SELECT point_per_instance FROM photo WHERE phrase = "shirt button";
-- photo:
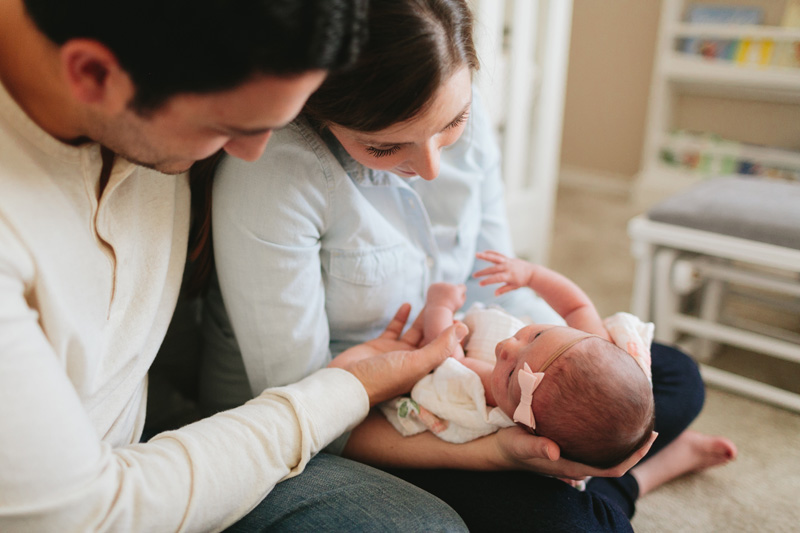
(429, 261)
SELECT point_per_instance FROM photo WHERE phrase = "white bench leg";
(710, 306)
(643, 279)
(665, 300)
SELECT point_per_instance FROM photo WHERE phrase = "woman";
(388, 182)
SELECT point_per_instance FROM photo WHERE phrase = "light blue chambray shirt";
(315, 252)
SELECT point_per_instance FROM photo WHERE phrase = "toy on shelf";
(727, 49)
(709, 155)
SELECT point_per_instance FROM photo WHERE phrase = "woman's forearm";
(376, 442)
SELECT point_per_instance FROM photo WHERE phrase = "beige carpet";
(760, 491)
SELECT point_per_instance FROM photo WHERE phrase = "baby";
(585, 386)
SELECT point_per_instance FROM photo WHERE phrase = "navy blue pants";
(521, 501)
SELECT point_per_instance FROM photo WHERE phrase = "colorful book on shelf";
(754, 51)
(729, 49)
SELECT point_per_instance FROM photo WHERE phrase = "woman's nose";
(426, 163)
(248, 148)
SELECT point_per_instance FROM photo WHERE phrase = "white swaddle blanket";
(488, 326)
(451, 402)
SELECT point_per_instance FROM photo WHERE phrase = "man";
(103, 107)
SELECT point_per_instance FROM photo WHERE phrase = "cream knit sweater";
(87, 289)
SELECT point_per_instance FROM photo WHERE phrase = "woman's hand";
(391, 364)
(523, 451)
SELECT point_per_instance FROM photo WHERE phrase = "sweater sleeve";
(59, 475)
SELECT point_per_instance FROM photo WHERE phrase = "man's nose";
(248, 148)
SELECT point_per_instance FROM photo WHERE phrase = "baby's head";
(593, 399)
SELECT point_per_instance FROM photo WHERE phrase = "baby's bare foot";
(690, 452)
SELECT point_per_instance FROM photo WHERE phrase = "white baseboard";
(596, 180)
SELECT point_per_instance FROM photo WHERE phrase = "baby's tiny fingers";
(491, 256)
(504, 289)
(487, 271)
(491, 280)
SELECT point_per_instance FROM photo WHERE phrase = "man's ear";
(94, 76)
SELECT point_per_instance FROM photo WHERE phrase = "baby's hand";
(448, 295)
(514, 273)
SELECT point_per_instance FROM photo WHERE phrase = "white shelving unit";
(677, 74)
(523, 47)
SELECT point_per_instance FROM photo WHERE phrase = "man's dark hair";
(199, 46)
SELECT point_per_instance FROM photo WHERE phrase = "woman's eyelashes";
(458, 121)
(382, 152)
(385, 152)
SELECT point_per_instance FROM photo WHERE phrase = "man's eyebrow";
(387, 145)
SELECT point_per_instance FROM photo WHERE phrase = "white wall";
(608, 82)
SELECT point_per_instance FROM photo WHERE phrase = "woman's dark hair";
(413, 47)
(170, 47)
(201, 246)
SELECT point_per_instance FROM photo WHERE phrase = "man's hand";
(391, 364)
(522, 451)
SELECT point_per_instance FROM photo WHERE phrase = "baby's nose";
(499, 352)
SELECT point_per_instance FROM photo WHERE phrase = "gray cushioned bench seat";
(755, 209)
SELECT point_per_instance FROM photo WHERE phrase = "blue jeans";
(336, 494)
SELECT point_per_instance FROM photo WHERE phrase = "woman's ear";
(94, 76)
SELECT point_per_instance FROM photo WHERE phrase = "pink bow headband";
(529, 381)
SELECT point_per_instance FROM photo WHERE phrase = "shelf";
(703, 75)
(740, 31)
(761, 154)
(678, 73)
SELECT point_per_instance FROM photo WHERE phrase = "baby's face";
(532, 344)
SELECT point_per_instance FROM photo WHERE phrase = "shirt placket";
(420, 227)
